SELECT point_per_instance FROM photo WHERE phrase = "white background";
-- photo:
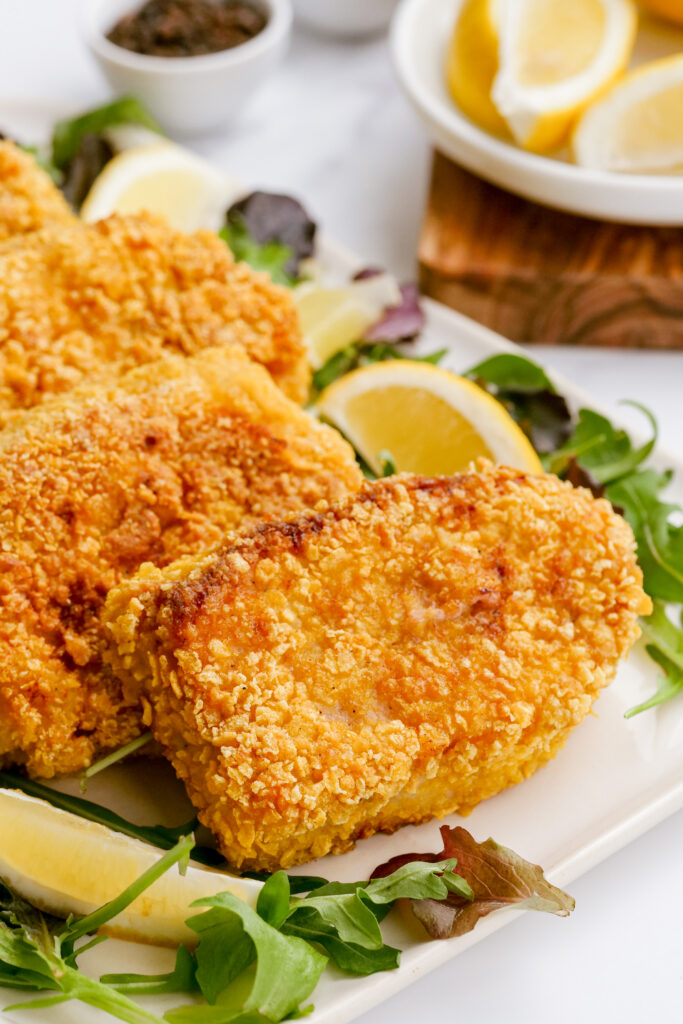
(333, 128)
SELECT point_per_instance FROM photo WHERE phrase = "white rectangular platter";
(614, 780)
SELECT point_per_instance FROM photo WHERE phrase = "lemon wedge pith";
(554, 60)
(429, 420)
(66, 865)
(636, 127)
(164, 179)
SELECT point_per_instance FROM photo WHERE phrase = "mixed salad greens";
(261, 965)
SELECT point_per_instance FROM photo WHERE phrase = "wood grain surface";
(540, 275)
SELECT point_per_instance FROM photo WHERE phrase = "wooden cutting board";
(536, 274)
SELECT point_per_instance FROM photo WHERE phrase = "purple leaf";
(269, 217)
(400, 323)
(499, 878)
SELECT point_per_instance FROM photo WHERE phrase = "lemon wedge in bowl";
(670, 10)
(472, 63)
(555, 59)
(637, 126)
(429, 420)
(164, 179)
(332, 318)
(65, 865)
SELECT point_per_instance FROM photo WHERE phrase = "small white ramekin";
(345, 18)
(188, 95)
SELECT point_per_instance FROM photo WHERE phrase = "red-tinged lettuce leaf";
(498, 877)
(401, 322)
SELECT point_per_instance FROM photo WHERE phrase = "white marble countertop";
(333, 128)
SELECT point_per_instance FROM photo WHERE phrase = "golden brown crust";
(405, 653)
(88, 300)
(28, 199)
(152, 466)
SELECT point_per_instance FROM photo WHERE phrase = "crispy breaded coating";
(28, 198)
(153, 466)
(80, 302)
(405, 653)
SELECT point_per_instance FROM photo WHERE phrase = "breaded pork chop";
(88, 300)
(404, 653)
(153, 466)
(28, 199)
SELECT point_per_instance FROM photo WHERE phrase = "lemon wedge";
(332, 318)
(637, 127)
(555, 59)
(472, 64)
(165, 179)
(671, 10)
(429, 420)
(66, 865)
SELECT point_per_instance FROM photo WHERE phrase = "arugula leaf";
(273, 900)
(496, 877)
(605, 452)
(669, 685)
(297, 883)
(78, 927)
(215, 1015)
(68, 133)
(225, 950)
(666, 648)
(660, 544)
(180, 979)
(156, 835)
(510, 372)
(597, 455)
(663, 635)
(287, 967)
(270, 257)
(348, 957)
(43, 951)
(350, 918)
(113, 758)
(528, 394)
(363, 353)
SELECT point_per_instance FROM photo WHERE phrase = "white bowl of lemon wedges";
(576, 106)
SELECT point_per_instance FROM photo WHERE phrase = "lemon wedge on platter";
(637, 127)
(164, 179)
(332, 318)
(65, 865)
(555, 59)
(429, 420)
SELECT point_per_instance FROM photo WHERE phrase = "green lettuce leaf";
(270, 257)
(68, 133)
